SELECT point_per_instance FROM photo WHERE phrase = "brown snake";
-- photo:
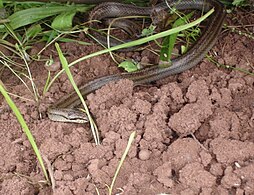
(65, 110)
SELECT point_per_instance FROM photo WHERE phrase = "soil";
(194, 131)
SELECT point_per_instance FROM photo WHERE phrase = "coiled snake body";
(64, 110)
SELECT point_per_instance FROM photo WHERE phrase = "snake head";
(68, 115)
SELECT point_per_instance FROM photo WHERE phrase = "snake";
(66, 109)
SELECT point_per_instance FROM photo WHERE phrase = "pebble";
(144, 154)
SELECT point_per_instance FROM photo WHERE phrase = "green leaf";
(183, 48)
(32, 15)
(129, 66)
(33, 31)
(148, 31)
(63, 21)
(169, 42)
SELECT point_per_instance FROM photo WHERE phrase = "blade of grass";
(97, 191)
(12, 70)
(46, 84)
(131, 138)
(35, 90)
(9, 46)
(68, 72)
(7, 59)
(95, 131)
(68, 40)
(63, 21)
(211, 59)
(25, 128)
(136, 42)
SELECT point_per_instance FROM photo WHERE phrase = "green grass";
(19, 48)
(111, 187)
(169, 42)
(131, 139)
(211, 59)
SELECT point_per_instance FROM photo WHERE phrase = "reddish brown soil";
(195, 130)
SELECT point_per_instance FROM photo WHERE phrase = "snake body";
(64, 110)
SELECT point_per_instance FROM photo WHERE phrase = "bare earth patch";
(195, 130)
